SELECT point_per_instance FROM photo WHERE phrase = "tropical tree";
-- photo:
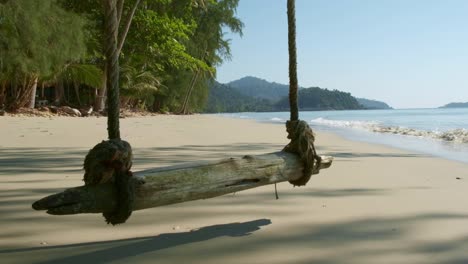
(156, 42)
(75, 74)
(36, 39)
(138, 87)
(209, 44)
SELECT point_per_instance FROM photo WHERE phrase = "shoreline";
(433, 145)
(375, 204)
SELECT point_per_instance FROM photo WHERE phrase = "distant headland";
(252, 94)
(455, 105)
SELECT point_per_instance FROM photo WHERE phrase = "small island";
(455, 105)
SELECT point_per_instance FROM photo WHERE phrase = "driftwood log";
(176, 184)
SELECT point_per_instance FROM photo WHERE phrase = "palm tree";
(74, 73)
(209, 43)
(138, 85)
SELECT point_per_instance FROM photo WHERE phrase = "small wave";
(456, 135)
(344, 123)
(276, 119)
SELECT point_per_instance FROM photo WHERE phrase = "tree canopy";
(37, 39)
(170, 54)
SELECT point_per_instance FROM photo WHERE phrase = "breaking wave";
(456, 135)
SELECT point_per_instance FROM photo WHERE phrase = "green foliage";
(156, 41)
(38, 37)
(315, 98)
(225, 99)
(170, 54)
(138, 87)
(259, 88)
(239, 96)
(372, 104)
(86, 74)
(209, 45)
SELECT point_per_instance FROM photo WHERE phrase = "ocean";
(441, 132)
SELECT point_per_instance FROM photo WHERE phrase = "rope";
(302, 143)
(301, 135)
(112, 60)
(292, 60)
(121, 160)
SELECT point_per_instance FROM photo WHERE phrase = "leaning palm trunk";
(184, 108)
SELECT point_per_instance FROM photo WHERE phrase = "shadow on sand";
(120, 249)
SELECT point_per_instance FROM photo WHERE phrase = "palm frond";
(87, 74)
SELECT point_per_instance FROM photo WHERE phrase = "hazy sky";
(408, 53)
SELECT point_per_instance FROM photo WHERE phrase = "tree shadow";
(121, 249)
(352, 238)
(54, 161)
(70, 160)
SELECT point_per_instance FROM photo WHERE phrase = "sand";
(375, 204)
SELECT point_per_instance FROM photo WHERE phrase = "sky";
(407, 53)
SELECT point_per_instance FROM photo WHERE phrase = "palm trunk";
(42, 91)
(190, 92)
(100, 98)
(2, 94)
(184, 108)
(76, 87)
(59, 92)
(33, 89)
(128, 23)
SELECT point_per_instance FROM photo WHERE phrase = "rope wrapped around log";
(302, 143)
(111, 161)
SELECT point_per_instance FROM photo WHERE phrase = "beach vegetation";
(37, 39)
(169, 56)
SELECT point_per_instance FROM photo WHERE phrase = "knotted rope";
(302, 143)
(111, 161)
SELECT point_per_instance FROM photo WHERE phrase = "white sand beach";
(374, 205)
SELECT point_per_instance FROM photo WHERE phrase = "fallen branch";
(170, 185)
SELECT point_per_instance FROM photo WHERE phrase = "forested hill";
(251, 94)
(224, 98)
(455, 105)
(259, 88)
(373, 104)
(315, 98)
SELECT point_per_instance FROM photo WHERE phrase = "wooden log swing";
(113, 190)
(177, 184)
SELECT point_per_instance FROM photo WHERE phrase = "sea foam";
(456, 135)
